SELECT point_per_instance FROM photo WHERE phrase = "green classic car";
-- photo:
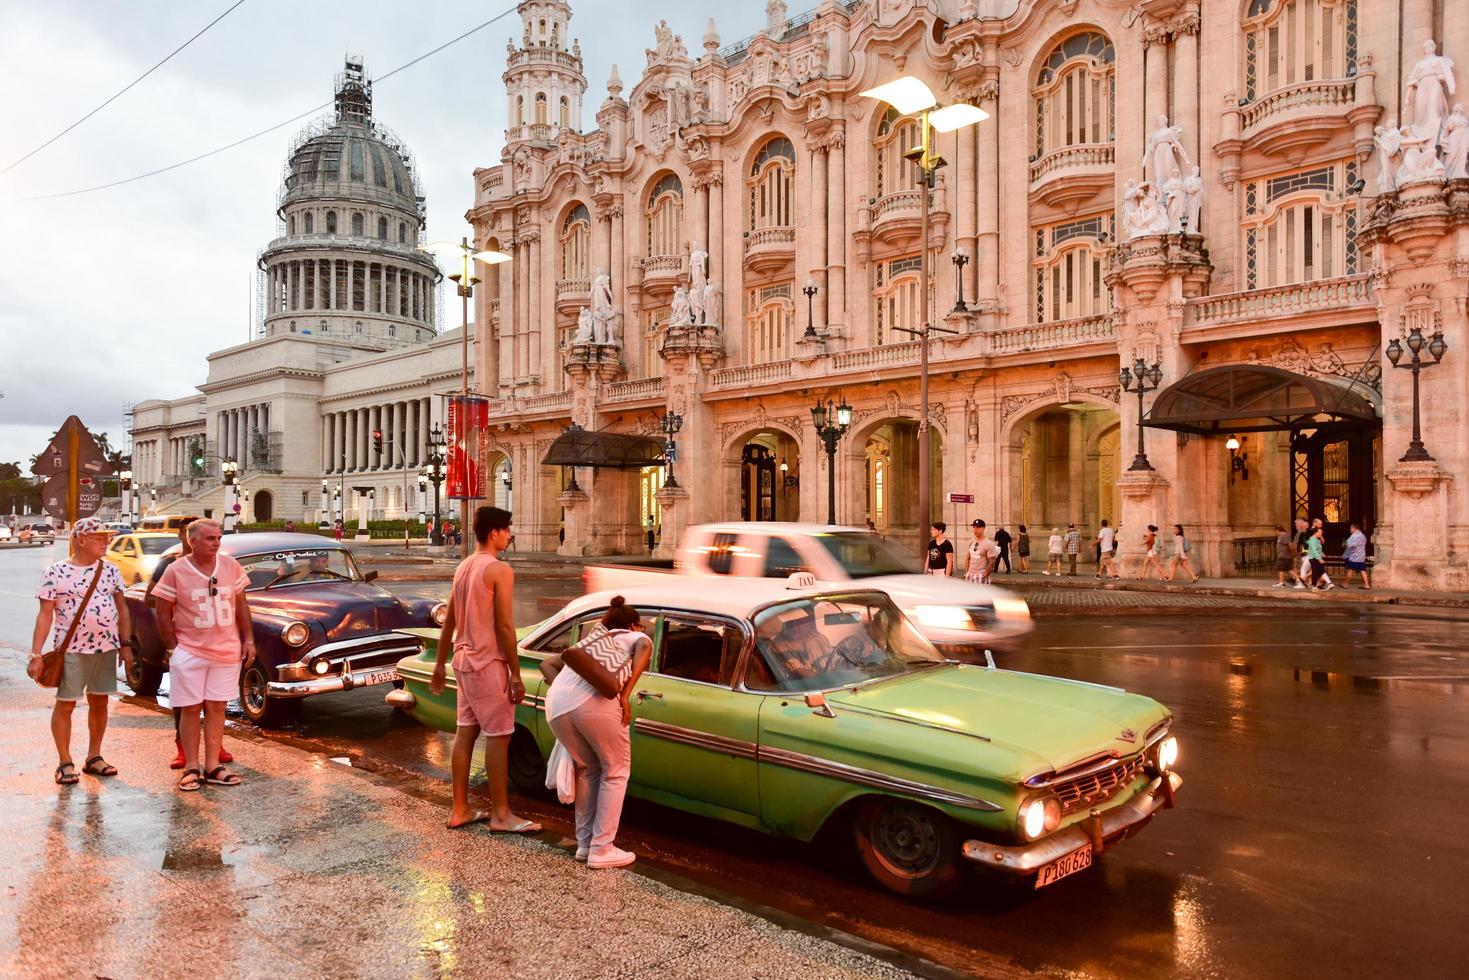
(787, 708)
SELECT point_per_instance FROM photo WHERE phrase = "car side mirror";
(816, 701)
(369, 576)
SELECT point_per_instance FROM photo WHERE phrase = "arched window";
(665, 216)
(291, 225)
(402, 233)
(772, 185)
(310, 223)
(1075, 94)
(382, 228)
(331, 222)
(576, 237)
(899, 300)
(1068, 274)
(541, 119)
(564, 118)
(357, 226)
(768, 323)
(1300, 226)
(520, 110)
(655, 320)
(1290, 42)
(895, 135)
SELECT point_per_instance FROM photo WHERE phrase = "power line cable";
(268, 129)
(120, 93)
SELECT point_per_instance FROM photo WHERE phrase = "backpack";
(1186, 546)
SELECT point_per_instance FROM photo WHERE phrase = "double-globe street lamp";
(125, 490)
(671, 424)
(1142, 379)
(1437, 347)
(831, 424)
(910, 96)
(434, 472)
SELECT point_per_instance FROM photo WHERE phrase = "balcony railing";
(631, 391)
(1279, 301)
(660, 265)
(900, 202)
(1332, 93)
(750, 375)
(1079, 155)
(779, 235)
(884, 355)
(1051, 336)
(543, 403)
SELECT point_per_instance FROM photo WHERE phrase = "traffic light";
(377, 440)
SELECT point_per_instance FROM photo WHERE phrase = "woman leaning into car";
(594, 731)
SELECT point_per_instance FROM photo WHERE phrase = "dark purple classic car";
(320, 624)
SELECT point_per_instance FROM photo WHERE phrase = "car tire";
(142, 677)
(258, 706)
(527, 767)
(911, 849)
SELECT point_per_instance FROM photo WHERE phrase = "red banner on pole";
(468, 431)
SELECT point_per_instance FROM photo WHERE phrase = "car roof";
(256, 542)
(171, 535)
(736, 597)
(777, 527)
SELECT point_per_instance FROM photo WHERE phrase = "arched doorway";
(502, 483)
(1068, 467)
(767, 477)
(264, 505)
(888, 455)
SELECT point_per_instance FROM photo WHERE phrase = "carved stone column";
(836, 229)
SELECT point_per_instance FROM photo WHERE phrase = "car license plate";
(1061, 867)
(381, 676)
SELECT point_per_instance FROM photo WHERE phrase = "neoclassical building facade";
(1266, 286)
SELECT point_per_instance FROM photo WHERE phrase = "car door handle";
(642, 695)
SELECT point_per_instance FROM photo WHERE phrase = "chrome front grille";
(1097, 787)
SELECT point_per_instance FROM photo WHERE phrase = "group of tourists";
(203, 620)
(1300, 556)
(987, 552)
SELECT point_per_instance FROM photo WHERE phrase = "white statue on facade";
(663, 45)
(1389, 142)
(1175, 204)
(681, 314)
(1143, 211)
(1456, 144)
(698, 267)
(676, 94)
(696, 305)
(710, 305)
(1420, 158)
(1165, 157)
(1429, 86)
(1193, 190)
(602, 311)
(775, 19)
(583, 333)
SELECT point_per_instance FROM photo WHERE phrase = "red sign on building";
(468, 433)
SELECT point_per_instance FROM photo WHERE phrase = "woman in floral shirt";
(91, 658)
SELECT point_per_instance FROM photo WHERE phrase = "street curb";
(1337, 596)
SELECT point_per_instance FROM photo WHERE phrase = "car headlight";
(439, 613)
(296, 634)
(943, 617)
(1038, 816)
(1168, 753)
(1011, 607)
(321, 666)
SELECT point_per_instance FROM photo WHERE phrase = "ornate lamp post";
(960, 259)
(810, 290)
(910, 97)
(125, 488)
(228, 470)
(326, 505)
(831, 424)
(1436, 347)
(422, 497)
(672, 422)
(509, 482)
(1146, 379)
(435, 472)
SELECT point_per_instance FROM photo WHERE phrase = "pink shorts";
(484, 700)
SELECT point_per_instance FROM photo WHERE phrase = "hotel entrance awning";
(608, 450)
(1255, 398)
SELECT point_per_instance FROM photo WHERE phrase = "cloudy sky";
(114, 297)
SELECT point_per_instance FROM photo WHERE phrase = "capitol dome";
(347, 264)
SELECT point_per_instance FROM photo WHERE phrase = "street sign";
(961, 498)
(53, 498)
(56, 457)
(69, 463)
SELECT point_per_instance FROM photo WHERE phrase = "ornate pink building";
(758, 225)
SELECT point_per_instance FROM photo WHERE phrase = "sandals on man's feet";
(66, 774)
(98, 766)
(220, 776)
(189, 781)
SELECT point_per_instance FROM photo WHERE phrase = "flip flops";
(220, 776)
(65, 777)
(478, 816)
(522, 827)
(189, 781)
(98, 766)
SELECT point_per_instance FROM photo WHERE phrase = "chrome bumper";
(1096, 830)
(328, 683)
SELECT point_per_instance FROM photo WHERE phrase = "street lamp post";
(326, 506)
(1437, 347)
(910, 96)
(465, 280)
(434, 472)
(831, 424)
(422, 495)
(810, 290)
(228, 469)
(960, 259)
(125, 490)
(672, 422)
(1145, 379)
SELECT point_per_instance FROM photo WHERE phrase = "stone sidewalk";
(313, 869)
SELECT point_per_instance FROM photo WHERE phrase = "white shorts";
(193, 680)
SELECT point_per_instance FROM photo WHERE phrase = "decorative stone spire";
(614, 84)
(711, 38)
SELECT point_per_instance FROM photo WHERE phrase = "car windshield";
(156, 546)
(274, 569)
(863, 554)
(823, 642)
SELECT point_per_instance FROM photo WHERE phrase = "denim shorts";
(1355, 566)
(96, 673)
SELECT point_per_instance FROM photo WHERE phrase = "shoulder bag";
(600, 661)
(48, 669)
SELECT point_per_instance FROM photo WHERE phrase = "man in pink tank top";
(481, 632)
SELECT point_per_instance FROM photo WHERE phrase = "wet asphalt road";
(1320, 829)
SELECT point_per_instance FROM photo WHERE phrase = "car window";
(812, 644)
(274, 569)
(863, 554)
(721, 552)
(128, 550)
(560, 639)
(699, 649)
(781, 560)
(156, 546)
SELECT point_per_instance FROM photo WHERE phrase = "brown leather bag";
(48, 669)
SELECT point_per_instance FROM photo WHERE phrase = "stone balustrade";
(1078, 155)
(750, 374)
(662, 264)
(555, 401)
(1331, 93)
(1051, 336)
(631, 391)
(782, 235)
(573, 288)
(1279, 301)
(883, 355)
(897, 202)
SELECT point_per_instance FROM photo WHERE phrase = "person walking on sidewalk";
(1003, 541)
(1285, 555)
(479, 628)
(939, 560)
(1106, 541)
(1302, 571)
(594, 730)
(151, 603)
(1073, 547)
(984, 554)
(1055, 546)
(1150, 556)
(204, 622)
(1316, 555)
(1181, 549)
(1022, 548)
(83, 613)
(1354, 556)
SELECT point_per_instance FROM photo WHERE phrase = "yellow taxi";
(136, 554)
